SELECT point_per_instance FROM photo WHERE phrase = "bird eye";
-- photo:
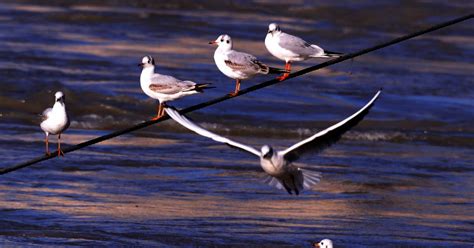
(222, 40)
(228, 41)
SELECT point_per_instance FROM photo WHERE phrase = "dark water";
(403, 177)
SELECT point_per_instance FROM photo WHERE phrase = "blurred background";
(403, 177)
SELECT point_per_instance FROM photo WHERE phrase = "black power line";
(242, 92)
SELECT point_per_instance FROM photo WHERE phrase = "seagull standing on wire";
(238, 65)
(282, 173)
(290, 48)
(55, 121)
(165, 88)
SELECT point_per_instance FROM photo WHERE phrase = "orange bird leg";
(47, 145)
(159, 113)
(286, 74)
(60, 152)
(237, 88)
(163, 106)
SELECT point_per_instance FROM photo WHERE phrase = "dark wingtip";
(333, 54)
(273, 70)
(171, 107)
(201, 87)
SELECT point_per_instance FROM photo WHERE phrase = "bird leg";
(288, 189)
(60, 152)
(47, 145)
(160, 112)
(163, 106)
(237, 88)
(286, 74)
(294, 184)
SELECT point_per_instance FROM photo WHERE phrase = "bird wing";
(242, 61)
(169, 85)
(201, 131)
(328, 136)
(45, 114)
(297, 45)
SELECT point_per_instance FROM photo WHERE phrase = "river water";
(402, 178)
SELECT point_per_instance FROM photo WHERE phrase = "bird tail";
(329, 54)
(310, 178)
(201, 87)
(301, 179)
(272, 181)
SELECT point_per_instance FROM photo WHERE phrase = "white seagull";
(325, 243)
(290, 48)
(282, 173)
(163, 87)
(238, 65)
(55, 121)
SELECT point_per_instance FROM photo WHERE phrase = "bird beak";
(213, 42)
(316, 245)
(141, 64)
(267, 156)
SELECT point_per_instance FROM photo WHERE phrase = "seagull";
(163, 87)
(278, 165)
(55, 121)
(291, 48)
(325, 243)
(238, 65)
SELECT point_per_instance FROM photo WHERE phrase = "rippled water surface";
(403, 177)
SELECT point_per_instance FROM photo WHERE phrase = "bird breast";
(275, 166)
(271, 43)
(57, 120)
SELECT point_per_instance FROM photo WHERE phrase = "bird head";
(267, 152)
(147, 61)
(273, 28)
(325, 243)
(59, 97)
(223, 41)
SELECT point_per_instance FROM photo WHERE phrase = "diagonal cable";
(242, 92)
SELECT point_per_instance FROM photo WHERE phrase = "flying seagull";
(279, 164)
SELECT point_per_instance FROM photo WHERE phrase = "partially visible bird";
(290, 48)
(238, 65)
(278, 165)
(55, 121)
(165, 88)
(325, 243)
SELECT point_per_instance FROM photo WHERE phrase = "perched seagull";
(282, 173)
(238, 65)
(55, 121)
(165, 88)
(325, 243)
(291, 48)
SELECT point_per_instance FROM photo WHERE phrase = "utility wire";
(242, 92)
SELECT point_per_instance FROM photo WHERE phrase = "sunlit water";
(403, 177)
